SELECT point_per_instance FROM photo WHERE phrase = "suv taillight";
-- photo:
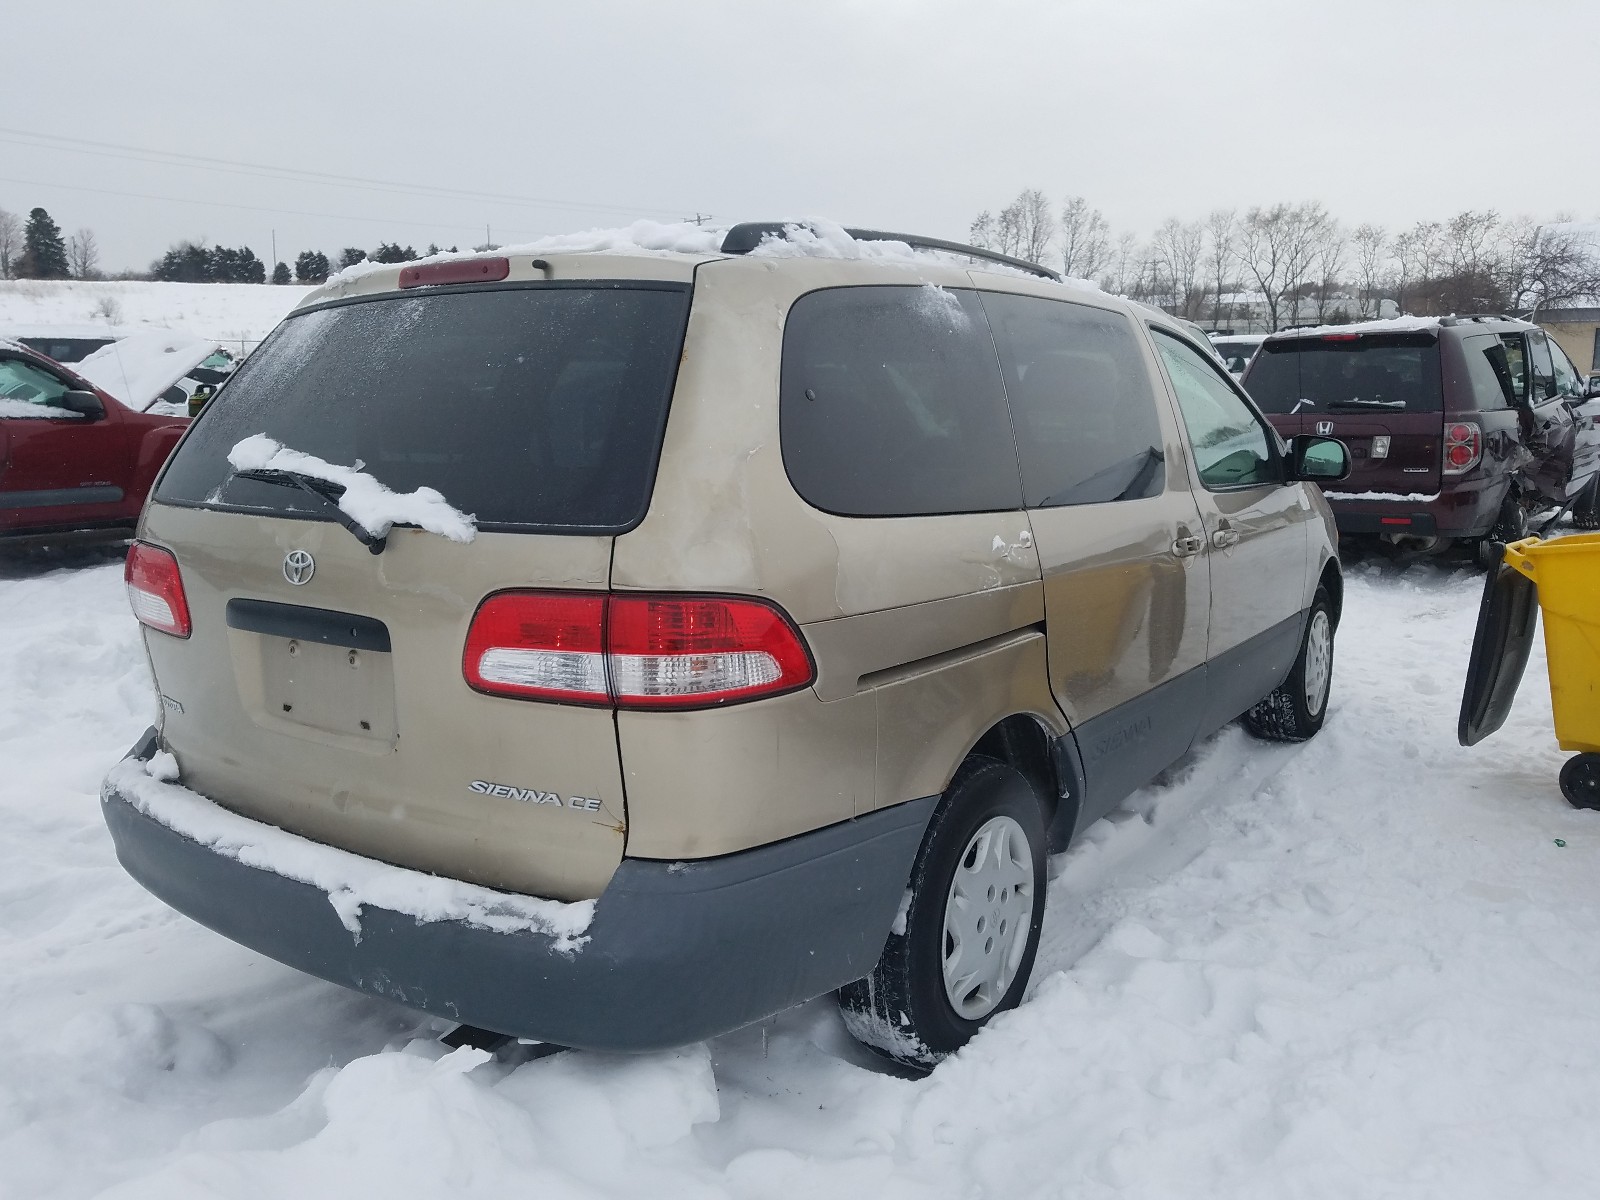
(633, 651)
(1463, 447)
(155, 589)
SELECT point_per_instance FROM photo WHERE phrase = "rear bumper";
(1461, 509)
(676, 952)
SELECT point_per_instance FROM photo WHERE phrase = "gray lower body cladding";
(676, 952)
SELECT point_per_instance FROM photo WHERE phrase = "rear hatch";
(1379, 393)
(322, 688)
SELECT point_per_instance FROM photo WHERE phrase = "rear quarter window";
(1082, 401)
(891, 404)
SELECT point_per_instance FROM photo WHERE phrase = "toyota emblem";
(299, 567)
(1323, 427)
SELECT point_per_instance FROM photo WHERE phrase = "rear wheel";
(1295, 711)
(963, 947)
(1580, 781)
(1586, 510)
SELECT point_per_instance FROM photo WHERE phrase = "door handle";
(1222, 539)
(1187, 547)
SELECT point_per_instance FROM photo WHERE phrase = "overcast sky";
(889, 113)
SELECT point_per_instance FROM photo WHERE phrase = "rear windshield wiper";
(1357, 402)
(327, 493)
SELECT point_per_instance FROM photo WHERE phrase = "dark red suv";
(1459, 428)
(74, 462)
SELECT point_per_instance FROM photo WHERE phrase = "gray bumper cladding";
(676, 952)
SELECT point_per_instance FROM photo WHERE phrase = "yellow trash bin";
(1567, 573)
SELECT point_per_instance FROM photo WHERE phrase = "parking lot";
(1278, 972)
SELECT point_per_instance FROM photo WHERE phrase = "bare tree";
(983, 232)
(10, 242)
(1552, 265)
(1126, 267)
(1417, 252)
(1369, 242)
(1025, 228)
(1175, 254)
(1277, 246)
(1219, 256)
(83, 255)
(1331, 246)
(1085, 240)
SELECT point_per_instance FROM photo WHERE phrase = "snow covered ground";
(238, 315)
(1362, 967)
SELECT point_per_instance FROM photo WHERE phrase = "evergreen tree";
(390, 252)
(350, 256)
(311, 267)
(187, 262)
(44, 251)
(280, 274)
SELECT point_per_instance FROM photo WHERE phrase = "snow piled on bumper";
(350, 880)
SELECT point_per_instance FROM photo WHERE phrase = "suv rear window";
(1348, 373)
(534, 407)
(891, 404)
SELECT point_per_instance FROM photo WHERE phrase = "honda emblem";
(1324, 428)
(299, 567)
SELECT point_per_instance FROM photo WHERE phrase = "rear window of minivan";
(534, 407)
(1350, 373)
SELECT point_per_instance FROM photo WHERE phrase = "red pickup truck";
(75, 463)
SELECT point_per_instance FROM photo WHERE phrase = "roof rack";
(746, 236)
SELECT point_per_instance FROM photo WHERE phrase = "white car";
(1237, 349)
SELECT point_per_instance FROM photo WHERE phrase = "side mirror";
(84, 403)
(1592, 388)
(1318, 459)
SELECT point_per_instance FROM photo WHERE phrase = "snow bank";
(351, 881)
(369, 503)
(1361, 967)
(238, 315)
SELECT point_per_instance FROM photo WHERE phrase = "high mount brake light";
(461, 270)
(1340, 337)
(1463, 447)
(155, 589)
(633, 651)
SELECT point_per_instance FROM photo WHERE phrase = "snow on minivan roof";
(810, 238)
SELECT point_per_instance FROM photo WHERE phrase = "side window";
(30, 391)
(891, 404)
(1230, 446)
(1567, 381)
(1488, 373)
(1517, 364)
(1544, 370)
(1082, 402)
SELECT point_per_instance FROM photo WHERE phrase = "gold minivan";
(801, 593)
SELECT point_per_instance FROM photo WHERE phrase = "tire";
(1296, 710)
(1586, 510)
(981, 872)
(1580, 781)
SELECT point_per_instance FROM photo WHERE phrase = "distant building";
(1577, 330)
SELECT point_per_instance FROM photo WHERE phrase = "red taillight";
(679, 651)
(1463, 447)
(460, 270)
(633, 651)
(541, 646)
(1340, 337)
(155, 589)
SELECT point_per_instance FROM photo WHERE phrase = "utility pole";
(699, 217)
(274, 248)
